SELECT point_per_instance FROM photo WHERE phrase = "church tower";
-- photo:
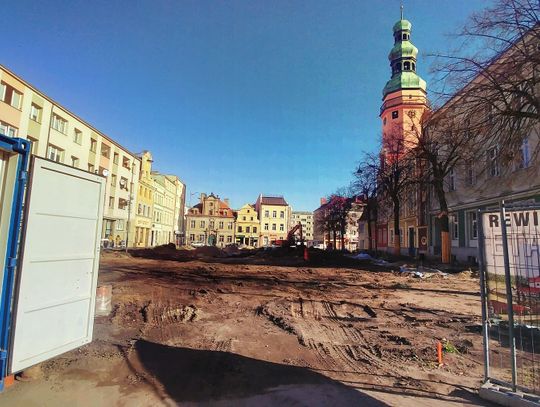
(404, 96)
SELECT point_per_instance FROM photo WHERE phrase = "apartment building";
(60, 135)
(485, 179)
(179, 209)
(210, 222)
(145, 203)
(274, 214)
(247, 226)
(306, 219)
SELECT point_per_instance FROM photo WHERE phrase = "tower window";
(406, 66)
(395, 114)
(404, 37)
(413, 66)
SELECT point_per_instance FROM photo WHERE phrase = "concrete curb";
(505, 397)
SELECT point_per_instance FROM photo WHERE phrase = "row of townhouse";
(59, 135)
(212, 222)
(477, 183)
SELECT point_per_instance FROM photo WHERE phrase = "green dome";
(402, 25)
(404, 80)
(403, 49)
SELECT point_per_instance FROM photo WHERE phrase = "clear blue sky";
(235, 97)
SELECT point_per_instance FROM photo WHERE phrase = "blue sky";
(235, 97)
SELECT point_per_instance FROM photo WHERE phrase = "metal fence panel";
(510, 267)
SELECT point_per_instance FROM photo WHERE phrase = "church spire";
(403, 60)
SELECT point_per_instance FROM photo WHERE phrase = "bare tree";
(365, 185)
(494, 73)
(394, 167)
(441, 141)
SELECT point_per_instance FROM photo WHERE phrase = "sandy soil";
(254, 331)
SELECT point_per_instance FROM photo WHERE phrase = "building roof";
(273, 200)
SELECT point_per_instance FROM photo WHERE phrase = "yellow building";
(145, 203)
(60, 135)
(274, 214)
(247, 226)
(210, 222)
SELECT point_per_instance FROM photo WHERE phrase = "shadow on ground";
(223, 378)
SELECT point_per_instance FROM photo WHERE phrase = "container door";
(57, 278)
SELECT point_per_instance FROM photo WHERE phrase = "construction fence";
(509, 254)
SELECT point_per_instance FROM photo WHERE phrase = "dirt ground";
(255, 331)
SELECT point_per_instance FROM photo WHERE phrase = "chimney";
(226, 200)
(323, 201)
(203, 196)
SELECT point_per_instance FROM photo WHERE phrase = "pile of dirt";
(208, 251)
(164, 252)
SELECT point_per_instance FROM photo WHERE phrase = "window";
(8, 130)
(454, 227)
(273, 226)
(282, 227)
(266, 226)
(202, 224)
(105, 150)
(115, 158)
(111, 202)
(395, 114)
(470, 173)
(125, 162)
(266, 214)
(243, 218)
(77, 136)
(239, 229)
(221, 225)
(211, 224)
(282, 214)
(113, 180)
(122, 203)
(124, 183)
(248, 229)
(230, 226)
(201, 238)
(93, 145)
(524, 157)
(473, 225)
(229, 239)
(191, 238)
(221, 238)
(10, 95)
(34, 144)
(406, 66)
(452, 180)
(58, 123)
(493, 162)
(55, 154)
(74, 161)
(274, 214)
(120, 224)
(35, 113)
(192, 224)
(254, 229)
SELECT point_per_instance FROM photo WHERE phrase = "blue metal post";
(22, 148)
